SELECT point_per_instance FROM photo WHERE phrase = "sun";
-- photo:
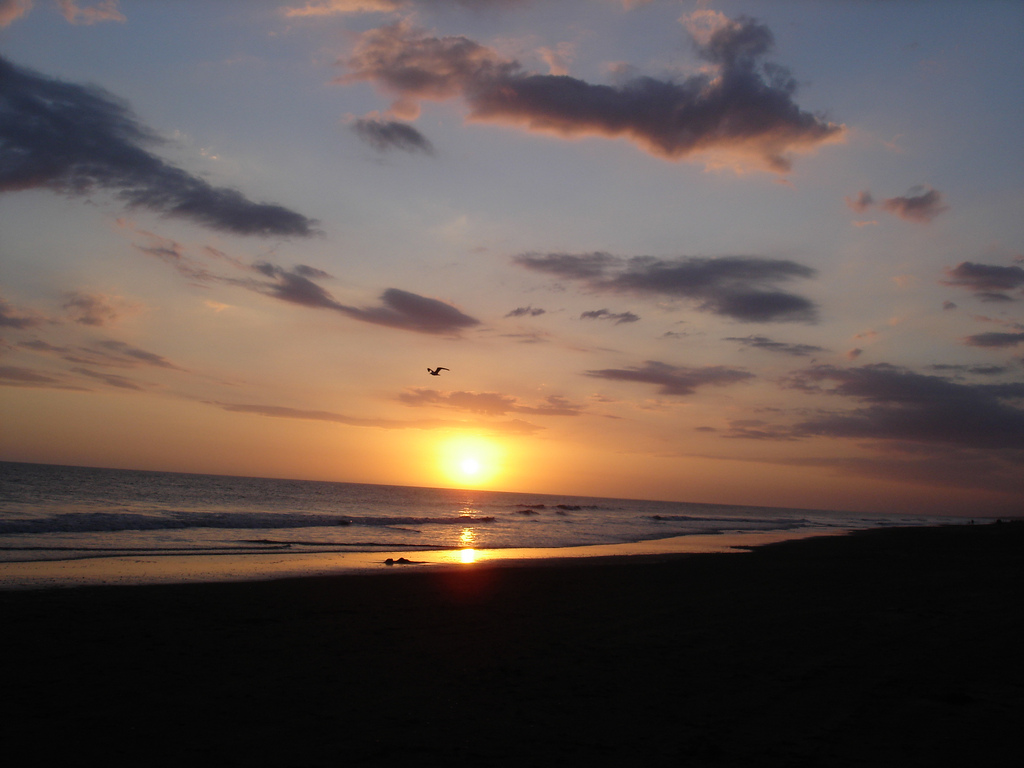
(469, 461)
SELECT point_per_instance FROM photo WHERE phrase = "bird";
(436, 371)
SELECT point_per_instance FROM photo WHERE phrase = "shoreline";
(151, 569)
(884, 647)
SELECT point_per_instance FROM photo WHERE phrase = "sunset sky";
(739, 252)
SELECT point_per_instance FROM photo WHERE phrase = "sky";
(736, 252)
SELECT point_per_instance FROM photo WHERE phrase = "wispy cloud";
(674, 380)
(385, 135)
(397, 308)
(604, 314)
(744, 111)
(97, 309)
(529, 311)
(739, 287)
(920, 204)
(514, 426)
(762, 342)
(104, 10)
(76, 139)
(487, 403)
(13, 317)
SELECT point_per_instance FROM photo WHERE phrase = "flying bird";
(436, 371)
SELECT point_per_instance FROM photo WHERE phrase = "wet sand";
(887, 647)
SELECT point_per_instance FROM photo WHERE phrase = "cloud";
(15, 376)
(513, 426)
(97, 309)
(120, 351)
(12, 317)
(743, 113)
(907, 406)
(980, 370)
(673, 380)
(919, 204)
(105, 10)
(995, 339)
(318, 8)
(110, 379)
(11, 10)
(398, 309)
(988, 281)
(411, 312)
(487, 403)
(384, 135)
(739, 287)
(604, 314)
(762, 342)
(526, 312)
(75, 139)
(861, 203)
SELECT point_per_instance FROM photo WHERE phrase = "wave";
(109, 522)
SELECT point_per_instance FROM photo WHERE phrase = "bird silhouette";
(436, 371)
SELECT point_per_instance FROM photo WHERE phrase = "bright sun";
(469, 460)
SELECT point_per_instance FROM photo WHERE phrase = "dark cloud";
(988, 281)
(75, 139)
(398, 309)
(995, 339)
(11, 317)
(411, 312)
(525, 312)
(762, 342)
(603, 314)
(384, 135)
(740, 287)
(744, 109)
(919, 204)
(294, 287)
(673, 380)
(488, 403)
(907, 406)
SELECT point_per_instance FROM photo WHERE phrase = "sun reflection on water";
(468, 555)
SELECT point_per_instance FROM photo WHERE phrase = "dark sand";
(899, 647)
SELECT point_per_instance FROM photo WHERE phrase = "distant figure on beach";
(436, 371)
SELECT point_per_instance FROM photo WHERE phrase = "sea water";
(50, 513)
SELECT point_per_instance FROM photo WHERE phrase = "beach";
(883, 647)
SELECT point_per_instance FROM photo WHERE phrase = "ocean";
(60, 513)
